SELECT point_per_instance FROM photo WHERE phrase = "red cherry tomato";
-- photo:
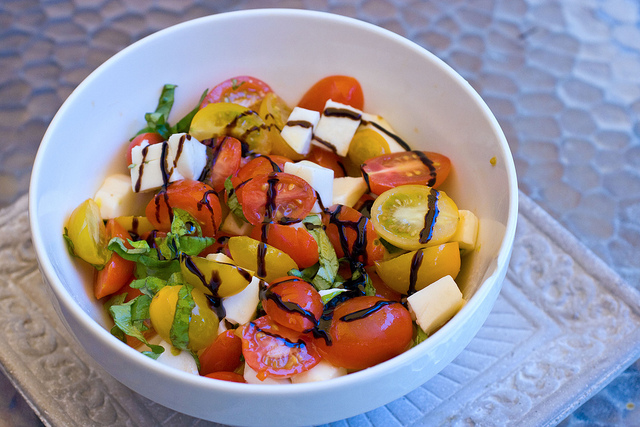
(275, 351)
(226, 376)
(259, 166)
(195, 197)
(294, 303)
(412, 167)
(342, 89)
(224, 161)
(276, 197)
(150, 137)
(244, 90)
(327, 159)
(352, 235)
(295, 241)
(118, 271)
(365, 331)
(382, 290)
(223, 354)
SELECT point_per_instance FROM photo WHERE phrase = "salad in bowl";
(277, 244)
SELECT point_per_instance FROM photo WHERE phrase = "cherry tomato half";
(118, 271)
(366, 331)
(275, 351)
(260, 165)
(276, 197)
(223, 354)
(223, 161)
(226, 376)
(243, 90)
(294, 303)
(194, 197)
(150, 137)
(391, 170)
(342, 89)
(352, 235)
(327, 159)
(293, 240)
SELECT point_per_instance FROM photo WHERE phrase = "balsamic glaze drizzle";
(430, 218)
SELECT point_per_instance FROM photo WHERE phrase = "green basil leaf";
(129, 318)
(180, 327)
(232, 200)
(184, 123)
(327, 258)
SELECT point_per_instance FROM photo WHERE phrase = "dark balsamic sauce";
(300, 123)
(392, 135)
(270, 293)
(429, 164)
(430, 218)
(361, 314)
(416, 261)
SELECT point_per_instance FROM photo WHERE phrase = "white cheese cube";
(347, 190)
(235, 226)
(318, 177)
(435, 304)
(250, 376)
(299, 129)
(337, 126)
(188, 155)
(182, 360)
(321, 372)
(182, 156)
(241, 307)
(380, 125)
(116, 198)
(467, 231)
(220, 257)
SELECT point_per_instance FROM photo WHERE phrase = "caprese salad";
(259, 243)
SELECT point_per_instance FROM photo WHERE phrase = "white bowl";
(428, 104)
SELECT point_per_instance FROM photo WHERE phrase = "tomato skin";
(292, 240)
(260, 165)
(224, 161)
(275, 351)
(382, 290)
(293, 198)
(118, 271)
(294, 303)
(243, 90)
(343, 226)
(223, 354)
(226, 376)
(370, 339)
(342, 89)
(151, 137)
(192, 196)
(391, 170)
(327, 159)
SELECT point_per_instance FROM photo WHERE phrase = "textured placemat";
(563, 327)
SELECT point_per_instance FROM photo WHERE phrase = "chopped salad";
(255, 242)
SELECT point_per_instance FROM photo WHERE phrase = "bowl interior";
(429, 105)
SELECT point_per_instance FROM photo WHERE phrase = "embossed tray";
(563, 327)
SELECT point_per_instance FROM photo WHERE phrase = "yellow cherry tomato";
(414, 216)
(424, 266)
(225, 118)
(135, 225)
(275, 112)
(87, 233)
(366, 144)
(203, 322)
(266, 261)
(211, 276)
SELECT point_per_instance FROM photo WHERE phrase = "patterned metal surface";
(563, 79)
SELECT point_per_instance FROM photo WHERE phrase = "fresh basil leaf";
(149, 285)
(232, 200)
(158, 121)
(418, 334)
(69, 242)
(129, 318)
(180, 327)
(327, 258)
(391, 248)
(334, 292)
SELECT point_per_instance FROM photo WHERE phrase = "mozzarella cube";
(347, 190)
(337, 126)
(241, 307)
(182, 156)
(250, 376)
(188, 155)
(321, 372)
(467, 231)
(299, 129)
(220, 257)
(318, 177)
(380, 125)
(116, 198)
(435, 304)
(183, 360)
